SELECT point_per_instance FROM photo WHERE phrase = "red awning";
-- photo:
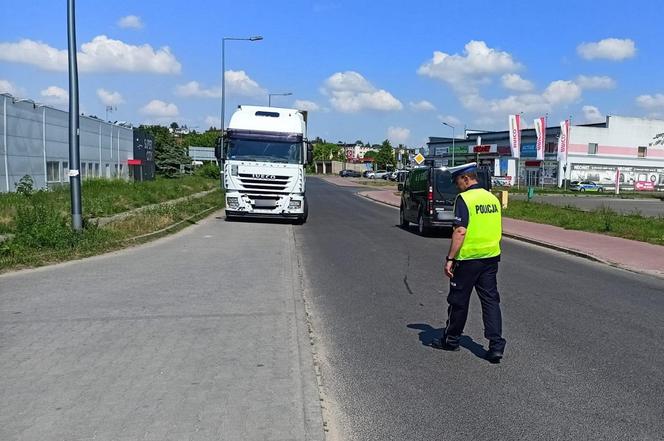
(133, 162)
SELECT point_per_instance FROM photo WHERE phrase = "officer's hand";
(448, 269)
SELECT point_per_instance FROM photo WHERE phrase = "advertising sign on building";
(629, 178)
(485, 148)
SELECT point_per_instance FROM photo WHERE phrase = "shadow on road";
(256, 220)
(440, 233)
(428, 333)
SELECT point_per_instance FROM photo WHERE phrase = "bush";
(208, 170)
(41, 225)
(25, 186)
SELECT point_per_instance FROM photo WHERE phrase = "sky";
(365, 70)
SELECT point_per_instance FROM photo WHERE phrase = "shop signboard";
(630, 178)
(485, 148)
(529, 150)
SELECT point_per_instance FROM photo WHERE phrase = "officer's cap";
(462, 169)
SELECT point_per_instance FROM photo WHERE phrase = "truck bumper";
(289, 206)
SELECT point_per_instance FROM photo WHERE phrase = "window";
(551, 147)
(97, 170)
(108, 171)
(643, 152)
(83, 167)
(91, 170)
(121, 169)
(52, 171)
(116, 170)
(65, 171)
(592, 148)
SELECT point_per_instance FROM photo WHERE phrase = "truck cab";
(265, 151)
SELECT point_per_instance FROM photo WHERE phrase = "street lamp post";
(452, 127)
(270, 95)
(223, 87)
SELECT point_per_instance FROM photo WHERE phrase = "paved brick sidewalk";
(628, 254)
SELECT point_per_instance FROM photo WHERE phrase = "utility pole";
(74, 151)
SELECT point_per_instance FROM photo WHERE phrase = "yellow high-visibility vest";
(484, 225)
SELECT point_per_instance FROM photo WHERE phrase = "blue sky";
(366, 70)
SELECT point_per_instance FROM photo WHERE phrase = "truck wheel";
(403, 223)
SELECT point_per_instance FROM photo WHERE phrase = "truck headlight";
(292, 205)
(232, 202)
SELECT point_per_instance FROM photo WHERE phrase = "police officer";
(472, 262)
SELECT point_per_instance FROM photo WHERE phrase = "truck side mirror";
(400, 187)
(310, 153)
(217, 149)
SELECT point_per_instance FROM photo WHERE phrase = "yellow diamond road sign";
(419, 158)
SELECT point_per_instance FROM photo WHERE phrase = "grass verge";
(602, 220)
(104, 197)
(606, 194)
(43, 236)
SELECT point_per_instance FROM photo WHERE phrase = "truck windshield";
(264, 150)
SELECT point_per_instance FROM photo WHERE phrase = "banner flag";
(563, 141)
(540, 129)
(515, 135)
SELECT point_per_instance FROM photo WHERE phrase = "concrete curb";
(548, 245)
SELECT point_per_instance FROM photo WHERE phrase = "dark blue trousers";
(480, 275)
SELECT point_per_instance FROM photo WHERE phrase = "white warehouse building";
(34, 141)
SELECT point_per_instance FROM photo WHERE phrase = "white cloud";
(613, 49)
(422, 106)
(10, 88)
(212, 121)
(160, 109)
(351, 92)
(450, 119)
(476, 66)
(130, 21)
(55, 95)
(102, 54)
(306, 105)
(109, 98)
(397, 135)
(194, 89)
(595, 82)
(514, 82)
(655, 101)
(561, 92)
(239, 83)
(592, 114)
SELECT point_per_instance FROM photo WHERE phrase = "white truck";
(264, 154)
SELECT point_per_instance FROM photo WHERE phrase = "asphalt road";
(645, 207)
(585, 342)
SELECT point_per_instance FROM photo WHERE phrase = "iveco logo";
(264, 176)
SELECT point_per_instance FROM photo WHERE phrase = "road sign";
(419, 158)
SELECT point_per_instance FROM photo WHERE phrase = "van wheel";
(420, 225)
(403, 223)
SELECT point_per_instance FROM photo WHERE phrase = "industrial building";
(630, 149)
(34, 141)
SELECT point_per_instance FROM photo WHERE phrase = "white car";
(378, 174)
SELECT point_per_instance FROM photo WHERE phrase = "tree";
(169, 157)
(385, 157)
(205, 139)
(359, 142)
(174, 125)
(328, 152)
(370, 154)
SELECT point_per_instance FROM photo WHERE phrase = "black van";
(428, 195)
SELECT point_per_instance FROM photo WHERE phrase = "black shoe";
(439, 343)
(494, 356)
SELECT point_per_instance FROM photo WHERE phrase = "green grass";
(43, 235)
(603, 220)
(104, 197)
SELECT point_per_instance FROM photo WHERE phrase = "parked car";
(428, 195)
(366, 173)
(585, 186)
(500, 181)
(350, 173)
(396, 174)
(378, 174)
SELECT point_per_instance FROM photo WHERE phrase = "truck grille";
(272, 183)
